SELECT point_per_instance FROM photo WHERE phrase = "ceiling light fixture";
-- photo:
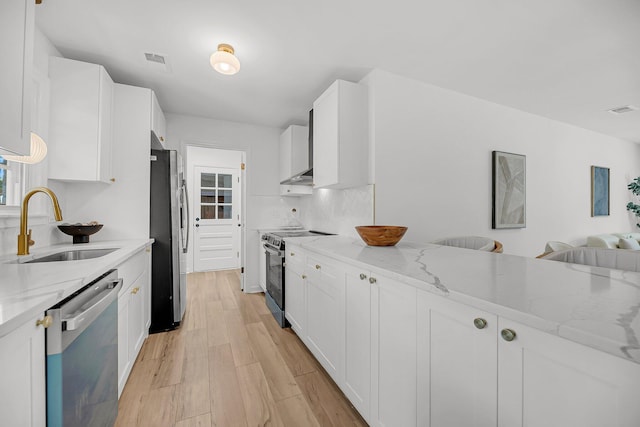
(37, 152)
(224, 61)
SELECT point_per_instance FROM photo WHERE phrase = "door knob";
(508, 334)
(372, 280)
(45, 322)
(363, 276)
(479, 323)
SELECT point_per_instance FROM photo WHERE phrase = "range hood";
(305, 177)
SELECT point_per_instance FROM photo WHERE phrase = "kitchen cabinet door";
(325, 315)
(22, 369)
(16, 51)
(545, 380)
(340, 137)
(124, 362)
(80, 129)
(134, 311)
(457, 364)
(158, 121)
(357, 372)
(393, 309)
(295, 308)
(262, 276)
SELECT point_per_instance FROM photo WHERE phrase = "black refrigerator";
(170, 229)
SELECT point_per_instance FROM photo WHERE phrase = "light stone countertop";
(593, 306)
(27, 290)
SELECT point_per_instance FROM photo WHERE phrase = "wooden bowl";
(381, 235)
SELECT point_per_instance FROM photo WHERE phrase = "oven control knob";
(45, 322)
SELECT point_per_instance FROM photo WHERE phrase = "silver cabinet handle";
(292, 254)
(372, 280)
(508, 334)
(479, 323)
(363, 276)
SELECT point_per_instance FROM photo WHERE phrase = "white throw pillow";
(629, 244)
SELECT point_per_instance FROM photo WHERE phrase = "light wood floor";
(230, 364)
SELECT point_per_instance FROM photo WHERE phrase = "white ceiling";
(568, 60)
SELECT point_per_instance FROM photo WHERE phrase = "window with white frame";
(11, 182)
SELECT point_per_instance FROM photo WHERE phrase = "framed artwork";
(509, 190)
(599, 191)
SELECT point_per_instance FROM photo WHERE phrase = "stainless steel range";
(274, 245)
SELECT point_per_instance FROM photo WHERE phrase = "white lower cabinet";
(394, 372)
(294, 290)
(133, 312)
(262, 276)
(544, 380)
(325, 314)
(357, 369)
(457, 369)
(22, 369)
(408, 357)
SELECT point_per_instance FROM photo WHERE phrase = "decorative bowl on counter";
(80, 232)
(381, 235)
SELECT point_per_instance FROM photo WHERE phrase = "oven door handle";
(272, 251)
(88, 314)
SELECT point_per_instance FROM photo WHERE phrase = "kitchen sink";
(73, 255)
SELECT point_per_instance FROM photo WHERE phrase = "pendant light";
(224, 61)
(37, 152)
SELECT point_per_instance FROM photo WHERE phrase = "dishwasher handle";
(96, 306)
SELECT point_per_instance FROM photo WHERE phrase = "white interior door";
(217, 218)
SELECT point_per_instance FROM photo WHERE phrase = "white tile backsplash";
(337, 211)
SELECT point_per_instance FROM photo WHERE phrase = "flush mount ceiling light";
(37, 152)
(224, 61)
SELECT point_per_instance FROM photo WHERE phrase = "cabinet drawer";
(295, 260)
(130, 270)
(322, 270)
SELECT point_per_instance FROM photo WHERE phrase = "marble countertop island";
(27, 290)
(593, 306)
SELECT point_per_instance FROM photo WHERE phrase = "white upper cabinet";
(80, 134)
(340, 136)
(158, 122)
(16, 51)
(294, 151)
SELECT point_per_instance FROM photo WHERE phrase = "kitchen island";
(421, 334)
(27, 289)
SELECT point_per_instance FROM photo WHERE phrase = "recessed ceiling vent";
(154, 57)
(158, 61)
(622, 110)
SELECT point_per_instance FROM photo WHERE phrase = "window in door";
(216, 196)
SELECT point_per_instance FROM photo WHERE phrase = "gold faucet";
(24, 238)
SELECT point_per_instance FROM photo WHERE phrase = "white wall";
(432, 167)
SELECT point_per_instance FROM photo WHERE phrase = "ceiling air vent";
(158, 62)
(154, 57)
(622, 110)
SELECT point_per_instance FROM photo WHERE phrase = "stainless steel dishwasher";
(82, 356)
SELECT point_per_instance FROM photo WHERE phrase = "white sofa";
(610, 240)
(598, 257)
